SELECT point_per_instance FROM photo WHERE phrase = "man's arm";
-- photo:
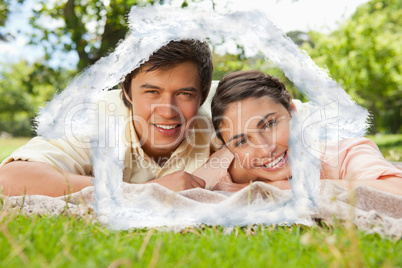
(35, 178)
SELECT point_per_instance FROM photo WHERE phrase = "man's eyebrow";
(191, 89)
(149, 86)
(236, 137)
(264, 118)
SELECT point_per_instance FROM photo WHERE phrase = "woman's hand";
(180, 181)
(234, 187)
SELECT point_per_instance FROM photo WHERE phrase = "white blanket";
(369, 209)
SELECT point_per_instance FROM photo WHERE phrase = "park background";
(45, 43)
(362, 52)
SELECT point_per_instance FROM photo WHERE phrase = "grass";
(66, 241)
(390, 146)
(9, 145)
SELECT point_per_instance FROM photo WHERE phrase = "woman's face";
(256, 130)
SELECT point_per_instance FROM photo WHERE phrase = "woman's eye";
(240, 142)
(270, 124)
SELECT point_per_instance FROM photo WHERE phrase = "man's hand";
(179, 181)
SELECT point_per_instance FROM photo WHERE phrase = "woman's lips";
(276, 164)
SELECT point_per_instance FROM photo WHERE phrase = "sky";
(289, 15)
(318, 15)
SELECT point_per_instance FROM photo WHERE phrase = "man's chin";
(168, 147)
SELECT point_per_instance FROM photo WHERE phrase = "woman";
(251, 113)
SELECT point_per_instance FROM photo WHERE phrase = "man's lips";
(167, 126)
(167, 129)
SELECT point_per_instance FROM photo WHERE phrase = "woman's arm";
(387, 184)
(356, 162)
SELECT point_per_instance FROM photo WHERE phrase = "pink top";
(359, 159)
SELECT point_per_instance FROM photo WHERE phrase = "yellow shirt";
(74, 155)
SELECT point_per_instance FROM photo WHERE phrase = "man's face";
(164, 102)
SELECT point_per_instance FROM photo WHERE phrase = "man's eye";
(151, 91)
(185, 93)
(270, 124)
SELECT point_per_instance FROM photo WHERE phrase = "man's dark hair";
(242, 85)
(172, 54)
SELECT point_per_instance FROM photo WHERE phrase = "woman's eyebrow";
(264, 118)
(236, 137)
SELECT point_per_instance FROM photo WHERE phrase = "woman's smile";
(276, 163)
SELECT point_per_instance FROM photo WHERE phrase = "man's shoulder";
(113, 102)
(113, 96)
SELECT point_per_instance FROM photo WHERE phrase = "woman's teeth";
(167, 126)
(276, 161)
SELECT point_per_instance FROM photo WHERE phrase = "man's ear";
(126, 95)
(292, 106)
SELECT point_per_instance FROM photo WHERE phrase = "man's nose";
(167, 108)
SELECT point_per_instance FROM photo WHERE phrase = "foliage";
(23, 88)
(365, 57)
(4, 11)
(91, 28)
(224, 64)
(66, 241)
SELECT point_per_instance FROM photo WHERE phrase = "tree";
(365, 57)
(227, 63)
(23, 88)
(89, 27)
(4, 13)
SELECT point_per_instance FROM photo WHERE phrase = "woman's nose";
(264, 146)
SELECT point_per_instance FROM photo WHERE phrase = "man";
(162, 97)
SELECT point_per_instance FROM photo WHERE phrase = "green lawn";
(9, 145)
(390, 146)
(70, 242)
(66, 241)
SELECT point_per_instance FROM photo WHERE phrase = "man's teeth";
(279, 159)
(167, 126)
